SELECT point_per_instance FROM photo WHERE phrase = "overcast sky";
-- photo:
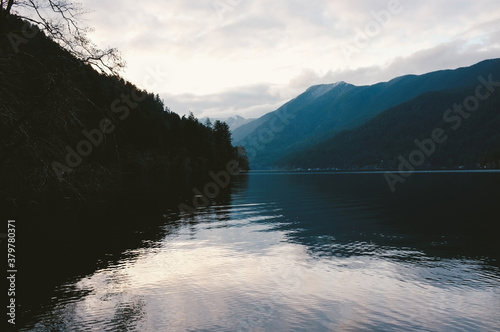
(219, 58)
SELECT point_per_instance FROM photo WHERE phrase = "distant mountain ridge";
(325, 110)
(317, 91)
(472, 140)
(233, 122)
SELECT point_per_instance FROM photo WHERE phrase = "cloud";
(245, 57)
(452, 55)
(248, 101)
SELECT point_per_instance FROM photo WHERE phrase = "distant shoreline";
(374, 171)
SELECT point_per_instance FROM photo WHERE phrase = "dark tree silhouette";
(222, 136)
(51, 104)
(62, 22)
(242, 158)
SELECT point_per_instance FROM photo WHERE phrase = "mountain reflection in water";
(303, 252)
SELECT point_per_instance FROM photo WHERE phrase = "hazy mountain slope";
(295, 104)
(379, 142)
(233, 122)
(313, 117)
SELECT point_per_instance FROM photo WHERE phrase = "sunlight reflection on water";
(240, 267)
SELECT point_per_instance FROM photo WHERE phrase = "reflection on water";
(292, 252)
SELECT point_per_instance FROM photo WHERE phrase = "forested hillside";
(68, 131)
(325, 110)
(472, 138)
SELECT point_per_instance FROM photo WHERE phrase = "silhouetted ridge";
(316, 116)
(53, 106)
(472, 141)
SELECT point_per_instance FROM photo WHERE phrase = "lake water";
(298, 252)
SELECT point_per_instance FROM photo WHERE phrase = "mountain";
(297, 103)
(324, 110)
(233, 122)
(470, 138)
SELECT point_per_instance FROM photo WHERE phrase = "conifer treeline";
(68, 130)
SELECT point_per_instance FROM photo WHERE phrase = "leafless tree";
(63, 21)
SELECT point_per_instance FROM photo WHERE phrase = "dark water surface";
(293, 252)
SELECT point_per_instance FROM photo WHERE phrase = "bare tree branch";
(61, 20)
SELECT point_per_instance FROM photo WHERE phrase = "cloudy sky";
(219, 58)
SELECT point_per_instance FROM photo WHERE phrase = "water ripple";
(260, 265)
